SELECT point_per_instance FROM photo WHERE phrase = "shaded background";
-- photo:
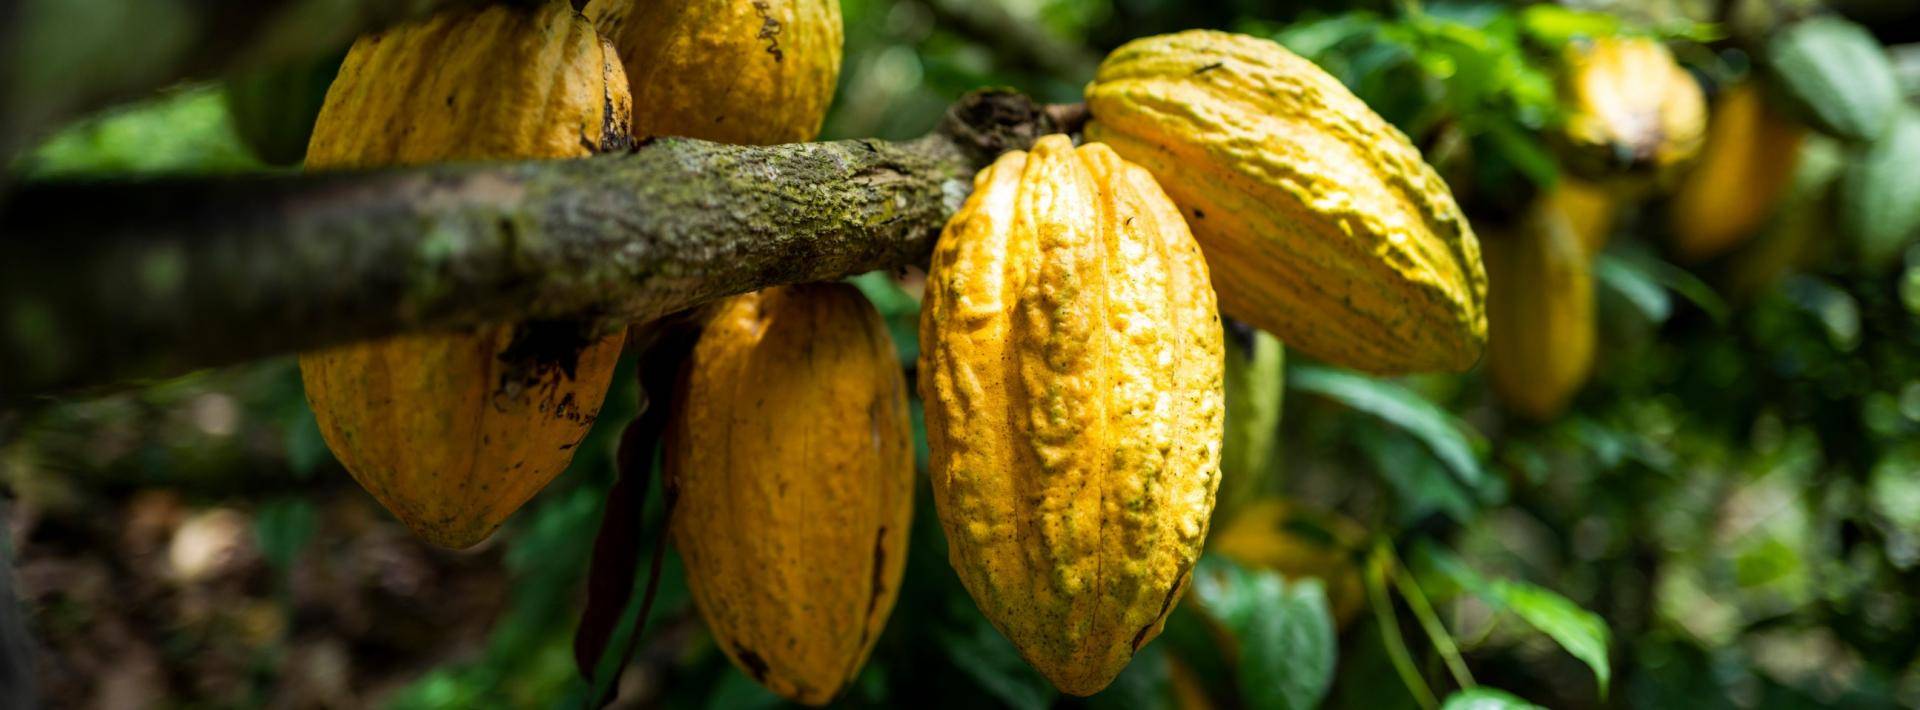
(1734, 500)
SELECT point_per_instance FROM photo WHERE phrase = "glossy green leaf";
(1455, 444)
(1582, 633)
(1836, 75)
(1485, 699)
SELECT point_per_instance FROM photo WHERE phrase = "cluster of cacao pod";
(1072, 355)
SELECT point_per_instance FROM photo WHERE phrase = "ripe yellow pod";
(452, 432)
(1633, 111)
(1320, 221)
(1070, 364)
(790, 461)
(732, 71)
(1541, 313)
(1746, 167)
(1589, 208)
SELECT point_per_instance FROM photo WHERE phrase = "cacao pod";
(1256, 372)
(454, 431)
(1589, 209)
(1632, 110)
(1748, 162)
(1271, 533)
(790, 461)
(1320, 221)
(1070, 362)
(759, 72)
(1541, 314)
(1800, 233)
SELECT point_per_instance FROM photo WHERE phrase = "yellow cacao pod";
(1320, 221)
(1541, 313)
(1747, 165)
(1589, 208)
(454, 431)
(1632, 110)
(733, 71)
(1071, 369)
(790, 461)
(1271, 533)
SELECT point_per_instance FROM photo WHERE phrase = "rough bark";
(62, 58)
(100, 282)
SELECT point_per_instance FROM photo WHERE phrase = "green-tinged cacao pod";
(454, 431)
(1879, 194)
(273, 109)
(1070, 362)
(1747, 164)
(1800, 233)
(1271, 533)
(1836, 76)
(1541, 313)
(1256, 372)
(1633, 111)
(1320, 221)
(790, 460)
(759, 72)
(1589, 208)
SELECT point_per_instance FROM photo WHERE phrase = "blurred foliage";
(1730, 515)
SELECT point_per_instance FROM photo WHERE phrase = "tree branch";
(60, 58)
(104, 281)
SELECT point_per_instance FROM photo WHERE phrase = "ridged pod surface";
(1746, 167)
(1071, 369)
(733, 71)
(790, 459)
(1632, 109)
(1541, 314)
(452, 432)
(1320, 221)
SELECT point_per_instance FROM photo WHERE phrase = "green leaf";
(1879, 194)
(1581, 632)
(1835, 74)
(1553, 25)
(1635, 285)
(1287, 644)
(1485, 699)
(1648, 267)
(283, 528)
(1451, 440)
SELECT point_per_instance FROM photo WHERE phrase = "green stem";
(1377, 565)
(1429, 621)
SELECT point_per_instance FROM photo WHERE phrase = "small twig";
(1389, 623)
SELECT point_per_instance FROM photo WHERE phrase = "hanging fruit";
(1747, 164)
(1633, 112)
(454, 431)
(1320, 222)
(759, 72)
(790, 460)
(1256, 372)
(1071, 369)
(1540, 312)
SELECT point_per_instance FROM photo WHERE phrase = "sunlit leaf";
(1452, 441)
(1485, 699)
(1582, 633)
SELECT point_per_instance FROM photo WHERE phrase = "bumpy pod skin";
(1070, 364)
(1633, 110)
(453, 432)
(1320, 221)
(1542, 314)
(732, 71)
(791, 461)
(1743, 172)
